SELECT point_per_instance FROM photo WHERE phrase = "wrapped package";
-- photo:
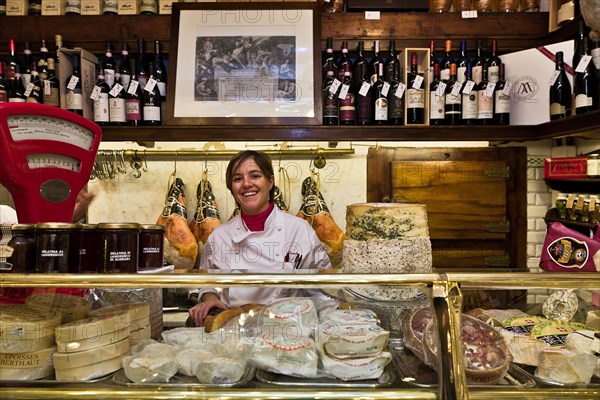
(353, 369)
(357, 340)
(292, 317)
(294, 356)
(561, 365)
(154, 362)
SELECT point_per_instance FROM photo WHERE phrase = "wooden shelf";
(591, 185)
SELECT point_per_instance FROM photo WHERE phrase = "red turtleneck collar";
(256, 223)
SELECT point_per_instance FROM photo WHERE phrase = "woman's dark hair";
(261, 159)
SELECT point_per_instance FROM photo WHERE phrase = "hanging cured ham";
(206, 217)
(181, 248)
(278, 199)
(315, 211)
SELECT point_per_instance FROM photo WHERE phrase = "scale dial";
(43, 127)
(42, 160)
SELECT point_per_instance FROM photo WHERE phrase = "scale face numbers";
(41, 160)
(41, 127)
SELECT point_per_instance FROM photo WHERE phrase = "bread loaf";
(214, 322)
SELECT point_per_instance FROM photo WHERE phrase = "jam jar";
(90, 249)
(21, 249)
(57, 247)
(151, 246)
(120, 247)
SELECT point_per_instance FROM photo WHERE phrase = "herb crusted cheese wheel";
(367, 221)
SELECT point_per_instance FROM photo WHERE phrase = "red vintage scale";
(46, 158)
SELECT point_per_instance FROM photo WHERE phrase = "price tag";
(507, 87)
(28, 89)
(372, 15)
(469, 14)
(583, 63)
(385, 89)
(469, 85)
(335, 85)
(417, 82)
(364, 89)
(72, 83)
(455, 89)
(441, 89)
(344, 91)
(150, 85)
(47, 88)
(133, 86)
(114, 92)
(489, 90)
(400, 90)
(95, 93)
(553, 78)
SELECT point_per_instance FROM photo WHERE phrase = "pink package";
(568, 250)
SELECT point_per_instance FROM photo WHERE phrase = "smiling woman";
(260, 238)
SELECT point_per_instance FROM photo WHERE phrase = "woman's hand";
(199, 312)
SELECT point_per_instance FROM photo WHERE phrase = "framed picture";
(244, 64)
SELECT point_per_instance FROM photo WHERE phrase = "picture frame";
(244, 63)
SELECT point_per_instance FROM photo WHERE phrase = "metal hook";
(136, 163)
(145, 167)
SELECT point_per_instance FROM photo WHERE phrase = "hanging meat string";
(315, 211)
(206, 217)
(181, 248)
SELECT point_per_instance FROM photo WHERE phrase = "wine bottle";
(380, 101)
(108, 65)
(560, 91)
(390, 63)
(58, 44)
(452, 101)
(3, 85)
(73, 92)
(577, 53)
(330, 98)
(27, 62)
(133, 104)
(437, 90)
(502, 99)
(461, 63)
(364, 94)
(17, 91)
(585, 83)
(160, 72)
(73, 7)
(485, 99)
(494, 64)
(446, 61)
(375, 61)
(396, 97)
(149, 7)
(478, 63)
(347, 99)
(469, 99)
(116, 101)
(329, 57)
(343, 61)
(432, 59)
(43, 61)
(13, 63)
(360, 67)
(33, 90)
(125, 66)
(151, 105)
(140, 68)
(415, 94)
(101, 103)
(51, 86)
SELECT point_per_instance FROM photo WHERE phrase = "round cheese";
(357, 368)
(296, 357)
(93, 342)
(91, 328)
(140, 334)
(88, 372)
(93, 356)
(291, 317)
(366, 221)
(136, 311)
(348, 317)
(71, 307)
(26, 366)
(25, 329)
(352, 341)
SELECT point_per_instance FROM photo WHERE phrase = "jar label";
(52, 253)
(117, 256)
(151, 250)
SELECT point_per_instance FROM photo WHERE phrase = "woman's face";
(250, 187)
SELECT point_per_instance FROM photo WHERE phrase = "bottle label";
(385, 89)
(125, 79)
(151, 113)
(28, 88)
(441, 89)
(416, 98)
(418, 82)
(150, 85)
(485, 106)
(101, 108)
(381, 109)
(396, 108)
(477, 73)
(364, 89)
(72, 82)
(363, 108)
(469, 106)
(74, 101)
(16, 100)
(436, 109)
(502, 103)
(162, 88)
(452, 99)
(343, 92)
(109, 77)
(116, 89)
(583, 63)
(557, 109)
(494, 73)
(330, 108)
(132, 110)
(117, 110)
(133, 87)
(399, 93)
(348, 108)
(445, 74)
(460, 74)
(468, 87)
(26, 78)
(53, 98)
(582, 100)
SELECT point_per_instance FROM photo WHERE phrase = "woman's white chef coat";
(233, 247)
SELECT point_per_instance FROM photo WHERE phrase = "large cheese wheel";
(94, 342)
(366, 221)
(25, 329)
(72, 308)
(89, 372)
(352, 341)
(136, 311)
(91, 328)
(26, 366)
(357, 368)
(94, 356)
